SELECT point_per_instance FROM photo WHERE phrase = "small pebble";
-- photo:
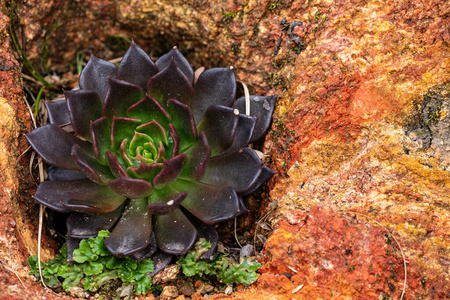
(169, 292)
(169, 274)
(78, 292)
(247, 251)
(228, 290)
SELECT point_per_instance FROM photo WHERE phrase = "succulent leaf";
(167, 204)
(161, 260)
(55, 173)
(120, 96)
(72, 244)
(59, 153)
(262, 109)
(174, 239)
(198, 158)
(171, 82)
(100, 200)
(136, 67)
(92, 168)
(101, 138)
(184, 123)
(130, 187)
(219, 125)
(147, 110)
(132, 232)
(96, 74)
(216, 86)
(52, 193)
(83, 106)
(147, 251)
(170, 171)
(114, 165)
(175, 55)
(57, 112)
(244, 132)
(210, 204)
(205, 231)
(266, 174)
(240, 170)
(175, 140)
(84, 226)
(121, 129)
(155, 131)
(145, 171)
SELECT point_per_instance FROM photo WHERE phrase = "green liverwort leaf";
(143, 285)
(226, 270)
(98, 245)
(145, 266)
(94, 267)
(84, 253)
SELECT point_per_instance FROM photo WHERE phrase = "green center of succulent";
(142, 147)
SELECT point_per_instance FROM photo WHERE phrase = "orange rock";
(357, 139)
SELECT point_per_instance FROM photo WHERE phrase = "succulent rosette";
(153, 157)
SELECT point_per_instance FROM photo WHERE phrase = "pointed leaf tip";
(95, 75)
(262, 109)
(179, 60)
(83, 107)
(216, 86)
(171, 82)
(137, 67)
(119, 97)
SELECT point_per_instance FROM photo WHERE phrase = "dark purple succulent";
(154, 158)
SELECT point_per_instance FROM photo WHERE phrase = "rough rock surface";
(360, 138)
(18, 217)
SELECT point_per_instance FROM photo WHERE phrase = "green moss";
(227, 17)
(273, 5)
(231, 15)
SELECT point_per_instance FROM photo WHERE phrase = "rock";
(359, 137)
(185, 287)
(247, 251)
(78, 292)
(169, 292)
(203, 288)
(228, 290)
(168, 274)
(18, 213)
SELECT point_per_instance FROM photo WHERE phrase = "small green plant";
(79, 60)
(273, 5)
(317, 15)
(18, 47)
(229, 15)
(94, 267)
(226, 270)
(45, 45)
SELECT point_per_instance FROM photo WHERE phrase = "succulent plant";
(153, 157)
